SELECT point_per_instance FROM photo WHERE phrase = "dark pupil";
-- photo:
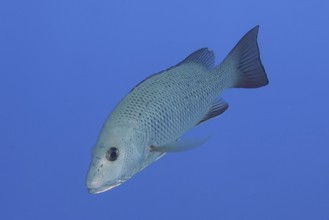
(112, 154)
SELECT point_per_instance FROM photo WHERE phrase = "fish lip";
(102, 188)
(105, 187)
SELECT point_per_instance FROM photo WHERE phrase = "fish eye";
(112, 154)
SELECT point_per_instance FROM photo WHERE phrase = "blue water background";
(65, 64)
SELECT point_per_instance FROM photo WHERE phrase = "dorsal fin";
(218, 107)
(202, 56)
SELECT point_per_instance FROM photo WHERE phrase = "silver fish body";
(152, 117)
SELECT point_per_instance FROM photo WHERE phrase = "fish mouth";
(104, 187)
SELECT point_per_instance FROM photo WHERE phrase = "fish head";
(116, 159)
(111, 165)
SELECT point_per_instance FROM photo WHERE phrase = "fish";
(152, 118)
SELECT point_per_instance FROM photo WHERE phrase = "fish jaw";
(95, 188)
(98, 185)
(98, 182)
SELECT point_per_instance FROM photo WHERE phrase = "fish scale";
(167, 104)
(151, 119)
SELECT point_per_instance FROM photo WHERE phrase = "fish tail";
(242, 68)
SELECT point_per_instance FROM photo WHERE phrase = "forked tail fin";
(242, 67)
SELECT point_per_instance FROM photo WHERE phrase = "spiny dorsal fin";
(202, 56)
(218, 107)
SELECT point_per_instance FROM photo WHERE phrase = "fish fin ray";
(202, 56)
(218, 107)
(244, 60)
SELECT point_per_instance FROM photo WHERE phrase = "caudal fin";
(242, 66)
